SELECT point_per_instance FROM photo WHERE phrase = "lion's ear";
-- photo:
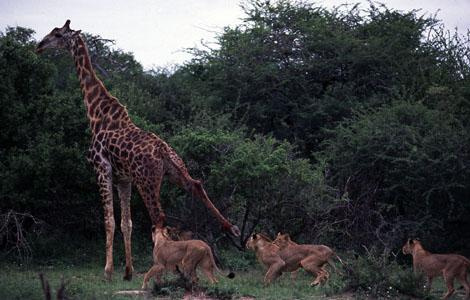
(165, 232)
(153, 228)
(255, 236)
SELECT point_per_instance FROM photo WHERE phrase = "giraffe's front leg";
(105, 182)
(124, 191)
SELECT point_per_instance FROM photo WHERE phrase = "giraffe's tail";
(179, 174)
(198, 190)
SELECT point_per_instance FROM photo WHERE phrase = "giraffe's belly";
(129, 151)
(121, 172)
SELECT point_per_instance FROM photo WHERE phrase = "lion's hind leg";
(312, 264)
(208, 268)
(449, 279)
(324, 276)
(462, 278)
(190, 262)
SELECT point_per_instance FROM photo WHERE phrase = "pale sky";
(157, 31)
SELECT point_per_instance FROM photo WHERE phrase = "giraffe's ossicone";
(121, 150)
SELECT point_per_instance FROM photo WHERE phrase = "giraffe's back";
(134, 152)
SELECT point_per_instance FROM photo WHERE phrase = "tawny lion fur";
(312, 258)
(450, 266)
(186, 255)
(177, 234)
(268, 255)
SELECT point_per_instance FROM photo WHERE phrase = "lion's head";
(410, 245)
(255, 239)
(160, 233)
(282, 240)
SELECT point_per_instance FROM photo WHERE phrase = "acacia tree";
(294, 68)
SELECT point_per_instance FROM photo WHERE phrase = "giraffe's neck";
(103, 110)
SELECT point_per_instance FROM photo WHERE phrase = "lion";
(177, 234)
(450, 266)
(312, 258)
(268, 255)
(187, 256)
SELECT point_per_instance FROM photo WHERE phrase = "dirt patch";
(135, 293)
(344, 296)
(202, 296)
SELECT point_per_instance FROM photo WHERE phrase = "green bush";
(373, 274)
(234, 260)
(402, 170)
(260, 181)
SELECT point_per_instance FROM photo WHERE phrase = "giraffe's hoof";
(128, 273)
(127, 276)
(234, 230)
(108, 276)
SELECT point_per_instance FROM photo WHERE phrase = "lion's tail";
(339, 259)
(331, 263)
(467, 261)
(230, 275)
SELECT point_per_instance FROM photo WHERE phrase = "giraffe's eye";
(58, 35)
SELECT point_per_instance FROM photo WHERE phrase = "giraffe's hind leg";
(104, 176)
(124, 191)
(149, 180)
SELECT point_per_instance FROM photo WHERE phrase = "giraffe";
(123, 154)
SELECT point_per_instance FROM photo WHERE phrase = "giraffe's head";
(58, 38)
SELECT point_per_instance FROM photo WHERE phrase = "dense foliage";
(347, 126)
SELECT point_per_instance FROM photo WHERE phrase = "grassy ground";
(86, 282)
(82, 269)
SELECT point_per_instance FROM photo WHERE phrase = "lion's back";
(434, 264)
